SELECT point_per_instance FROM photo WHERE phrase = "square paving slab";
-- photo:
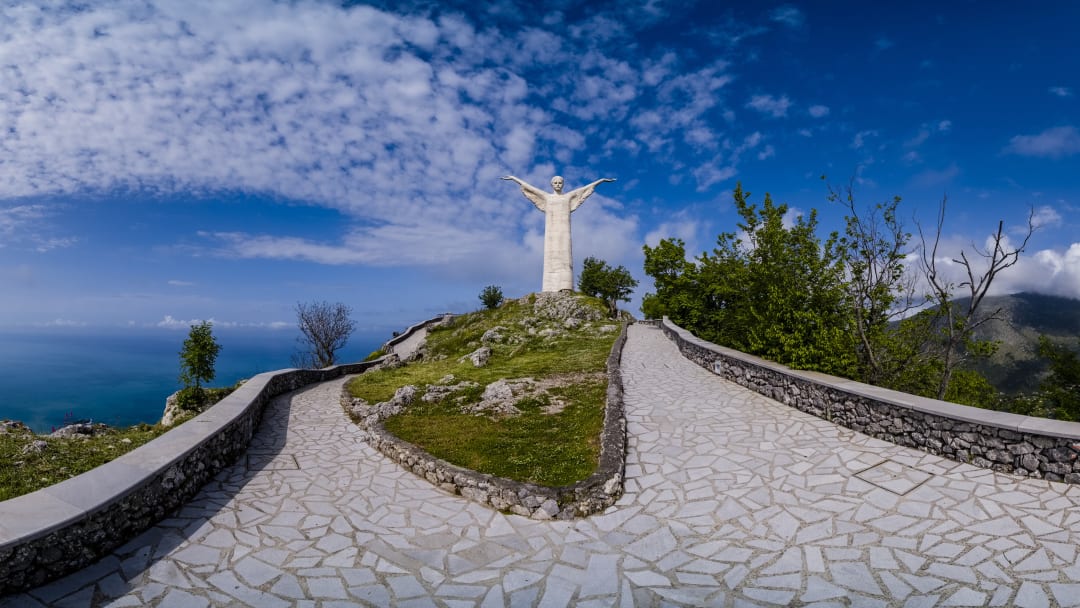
(894, 477)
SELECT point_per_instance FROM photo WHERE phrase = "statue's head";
(557, 184)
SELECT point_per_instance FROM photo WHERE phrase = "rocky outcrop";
(479, 357)
(564, 306)
(80, 429)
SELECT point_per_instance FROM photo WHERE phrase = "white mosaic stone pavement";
(732, 500)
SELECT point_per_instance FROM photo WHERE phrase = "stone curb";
(591, 495)
(1010, 443)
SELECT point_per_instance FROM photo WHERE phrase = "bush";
(491, 296)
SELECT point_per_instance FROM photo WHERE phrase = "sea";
(50, 377)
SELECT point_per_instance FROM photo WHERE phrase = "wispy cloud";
(882, 43)
(776, 107)
(398, 121)
(788, 15)
(1061, 91)
(170, 322)
(1056, 142)
(818, 111)
(933, 178)
(28, 226)
(860, 138)
(176, 283)
(1042, 217)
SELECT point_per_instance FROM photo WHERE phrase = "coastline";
(50, 377)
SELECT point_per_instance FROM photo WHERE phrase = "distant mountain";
(1016, 367)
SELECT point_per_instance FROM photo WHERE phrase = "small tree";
(197, 361)
(957, 321)
(491, 296)
(607, 283)
(324, 330)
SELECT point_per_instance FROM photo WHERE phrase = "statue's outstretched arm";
(535, 195)
(578, 196)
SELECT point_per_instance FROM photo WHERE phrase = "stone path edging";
(1010, 443)
(592, 495)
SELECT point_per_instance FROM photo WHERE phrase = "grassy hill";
(1016, 367)
(532, 411)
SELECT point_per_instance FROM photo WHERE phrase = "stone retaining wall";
(1034, 447)
(597, 492)
(62, 528)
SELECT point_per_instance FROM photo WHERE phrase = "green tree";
(611, 285)
(197, 360)
(1060, 391)
(771, 289)
(678, 287)
(491, 296)
(324, 330)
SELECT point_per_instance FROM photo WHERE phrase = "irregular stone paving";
(732, 500)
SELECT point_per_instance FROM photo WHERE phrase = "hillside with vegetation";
(517, 391)
(853, 304)
(1017, 366)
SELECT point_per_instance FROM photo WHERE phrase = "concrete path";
(732, 500)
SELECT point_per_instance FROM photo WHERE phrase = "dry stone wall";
(599, 491)
(62, 528)
(1022, 445)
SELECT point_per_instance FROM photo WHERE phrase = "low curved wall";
(62, 528)
(1034, 447)
(591, 495)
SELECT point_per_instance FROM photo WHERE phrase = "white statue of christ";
(557, 207)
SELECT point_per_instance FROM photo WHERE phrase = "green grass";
(64, 458)
(535, 447)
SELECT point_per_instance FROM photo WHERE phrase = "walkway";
(732, 500)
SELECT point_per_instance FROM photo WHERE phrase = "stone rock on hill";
(564, 306)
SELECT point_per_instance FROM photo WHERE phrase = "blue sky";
(165, 162)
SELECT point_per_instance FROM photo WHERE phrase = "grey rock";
(36, 446)
(479, 357)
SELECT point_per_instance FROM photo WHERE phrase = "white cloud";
(933, 178)
(1061, 91)
(944, 126)
(776, 107)
(62, 323)
(711, 173)
(176, 283)
(1055, 142)
(402, 123)
(685, 229)
(788, 15)
(169, 322)
(1050, 271)
(1046, 216)
(860, 138)
(791, 217)
(818, 111)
